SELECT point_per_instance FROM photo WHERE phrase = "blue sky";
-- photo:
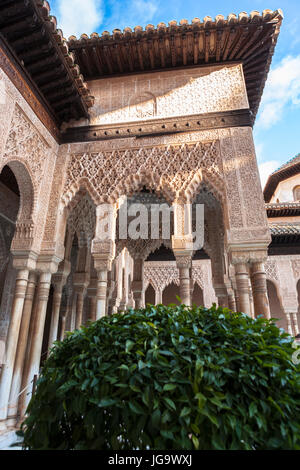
(277, 128)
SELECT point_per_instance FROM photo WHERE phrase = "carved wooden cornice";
(26, 87)
(176, 125)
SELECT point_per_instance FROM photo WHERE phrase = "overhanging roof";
(289, 169)
(283, 209)
(30, 33)
(247, 39)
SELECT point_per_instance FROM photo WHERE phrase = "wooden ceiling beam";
(108, 59)
(42, 62)
(184, 49)
(253, 36)
(61, 91)
(219, 36)
(206, 45)
(151, 53)
(162, 52)
(27, 38)
(53, 85)
(49, 74)
(118, 57)
(86, 60)
(63, 101)
(35, 50)
(173, 51)
(258, 52)
(21, 24)
(232, 36)
(129, 55)
(15, 9)
(242, 37)
(196, 48)
(97, 59)
(140, 55)
(265, 38)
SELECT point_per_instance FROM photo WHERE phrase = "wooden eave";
(287, 171)
(43, 55)
(284, 209)
(249, 40)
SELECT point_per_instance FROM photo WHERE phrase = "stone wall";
(167, 94)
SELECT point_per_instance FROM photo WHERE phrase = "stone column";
(92, 296)
(252, 310)
(295, 322)
(183, 265)
(137, 284)
(182, 244)
(222, 295)
(80, 282)
(158, 296)
(103, 251)
(231, 300)
(23, 264)
(58, 280)
(63, 318)
(289, 323)
(47, 265)
(242, 284)
(21, 349)
(259, 289)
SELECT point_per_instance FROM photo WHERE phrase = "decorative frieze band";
(176, 125)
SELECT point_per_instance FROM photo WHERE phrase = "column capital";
(248, 254)
(80, 281)
(47, 263)
(26, 259)
(60, 277)
(103, 252)
(183, 261)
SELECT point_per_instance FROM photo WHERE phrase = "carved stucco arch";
(135, 182)
(81, 215)
(77, 190)
(28, 190)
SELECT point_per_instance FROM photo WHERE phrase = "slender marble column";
(242, 284)
(79, 307)
(259, 289)
(101, 294)
(12, 340)
(55, 315)
(295, 321)
(289, 323)
(222, 296)
(93, 307)
(22, 344)
(158, 297)
(231, 300)
(184, 286)
(63, 318)
(34, 356)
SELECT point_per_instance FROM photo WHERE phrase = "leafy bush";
(168, 378)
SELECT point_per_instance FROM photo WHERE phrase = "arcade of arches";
(177, 137)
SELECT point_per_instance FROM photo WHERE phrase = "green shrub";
(168, 378)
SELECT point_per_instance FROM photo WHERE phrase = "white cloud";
(282, 89)
(265, 169)
(130, 13)
(146, 8)
(76, 17)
